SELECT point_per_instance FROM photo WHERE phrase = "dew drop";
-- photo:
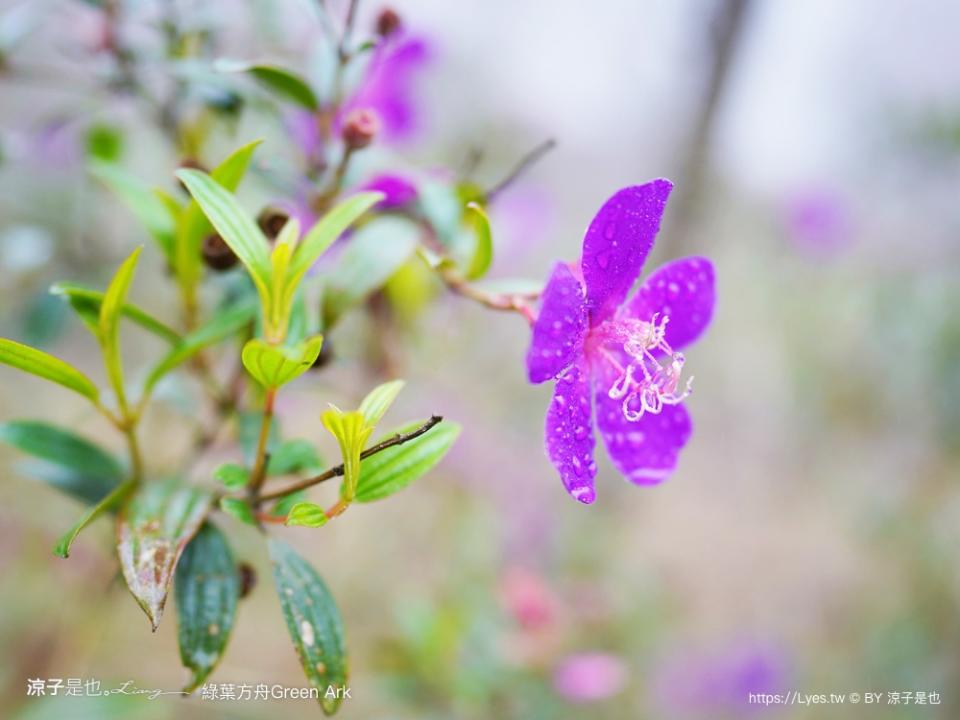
(603, 260)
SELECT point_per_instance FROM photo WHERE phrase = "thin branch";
(525, 163)
(343, 51)
(259, 472)
(398, 439)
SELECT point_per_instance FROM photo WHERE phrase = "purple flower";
(387, 86)
(588, 337)
(397, 190)
(587, 677)
(819, 223)
(693, 684)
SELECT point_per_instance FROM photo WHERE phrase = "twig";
(259, 472)
(525, 163)
(506, 302)
(398, 439)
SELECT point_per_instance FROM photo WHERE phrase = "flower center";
(647, 382)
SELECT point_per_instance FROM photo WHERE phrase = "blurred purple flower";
(588, 677)
(587, 334)
(388, 85)
(304, 128)
(528, 599)
(719, 683)
(397, 190)
(818, 223)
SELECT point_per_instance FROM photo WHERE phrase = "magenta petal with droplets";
(617, 243)
(569, 433)
(682, 290)
(646, 450)
(559, 330)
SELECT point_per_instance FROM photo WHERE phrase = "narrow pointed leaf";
(87, 302)
(284, 83)
(111, 501)
(352, 432)
(274, 365)
(379, 400)
(313, 621)
(143, 202)
(479, 224)
(396, 467)
(306, 514)
(207, 588)
(152, 531)
(329, 228)
(222, 326)
(71, 463)
(194, 224)
(236, 228)
(113, 301)
(39, 363)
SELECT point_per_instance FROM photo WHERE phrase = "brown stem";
(506, 302)
(398, 439)
(525, 163)
(259, 472)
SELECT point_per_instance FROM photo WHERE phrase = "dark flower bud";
(326, 355)
(248, 578)
(360, 128)
(388, 22)
(271, 220)
(217, 254)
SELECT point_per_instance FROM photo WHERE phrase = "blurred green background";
(808, 540)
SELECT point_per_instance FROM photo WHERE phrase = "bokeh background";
(808, 540)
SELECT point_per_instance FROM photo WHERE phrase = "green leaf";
(284, 83)
(111, 501)
(194, 226)
(478, 222)
(83, 469)
(276, 365)
(375, 252)
(39, 363)
(396, 467)
(207, 588)
(379, 400)
(232, 476)
(152, 531)
(236, 228)
(143, 202)
(223, 325)
(352, 432)
(327, 229)
(313, 621)
(87, 302)
(283, 506)
(113, 301)
(306, 514)
(238, 509)
(293, 456)
(104, 142)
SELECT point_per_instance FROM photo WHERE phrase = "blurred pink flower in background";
(818, 222)
(590, 677)
(528, 599)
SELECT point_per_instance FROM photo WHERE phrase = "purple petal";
(569, 433)
(645, 451)
(588, 677)
(398, 191)
(560, 327)
(388, 86)
(617, 243)
(304, 128)
(682, 290)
